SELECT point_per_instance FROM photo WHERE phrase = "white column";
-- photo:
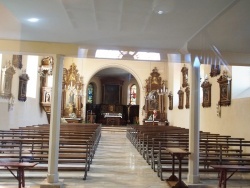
(194, 125)
(52, 176)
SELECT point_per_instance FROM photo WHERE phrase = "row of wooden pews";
(215, 149)
(77, 146)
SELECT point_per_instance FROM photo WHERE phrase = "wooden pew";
(77, 144)
(214, 148)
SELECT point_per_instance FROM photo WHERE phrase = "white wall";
(23, 113)
(234, 119)
(177, 117)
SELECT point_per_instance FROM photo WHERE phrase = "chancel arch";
(112, 85)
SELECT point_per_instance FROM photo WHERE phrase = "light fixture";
(33, 20)
(162, 6)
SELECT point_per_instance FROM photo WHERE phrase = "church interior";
(109, 87)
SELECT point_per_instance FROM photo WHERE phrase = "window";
(111, 54)
(90, 93)
(147, 56)
(133, 55)
(32, 64)
(133, 94)
(240, 82)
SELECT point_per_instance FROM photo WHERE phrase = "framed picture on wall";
(17, 61)
(206, 87)
(23, 80)
(187, 90)
(112, 94)
(215, 70)
(184, 71)
(170, 98)
(181, 98)
(225, 89)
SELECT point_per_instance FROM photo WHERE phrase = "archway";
(112, 90)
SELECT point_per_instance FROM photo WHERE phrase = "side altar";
(155, 100)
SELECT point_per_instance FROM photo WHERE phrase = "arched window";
(133, 94)
(90, 93)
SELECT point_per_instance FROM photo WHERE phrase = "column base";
(45, 184)
(192, 179)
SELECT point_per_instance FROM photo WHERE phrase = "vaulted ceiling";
(186, 25)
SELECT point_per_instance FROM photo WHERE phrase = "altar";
(113, 118)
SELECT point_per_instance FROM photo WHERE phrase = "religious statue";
(71, 108)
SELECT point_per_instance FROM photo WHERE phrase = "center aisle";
(118, 164)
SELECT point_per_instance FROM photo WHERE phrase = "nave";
(117, 164)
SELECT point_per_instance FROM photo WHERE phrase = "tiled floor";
(117, 164)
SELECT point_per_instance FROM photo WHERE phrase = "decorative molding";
(46, 67)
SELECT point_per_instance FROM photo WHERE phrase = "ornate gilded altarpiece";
(72, 92)
(71, 106)
(155, 91)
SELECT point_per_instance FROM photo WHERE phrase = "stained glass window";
(133, 94)
(90, 93)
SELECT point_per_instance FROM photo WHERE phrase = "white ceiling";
(130, 23)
